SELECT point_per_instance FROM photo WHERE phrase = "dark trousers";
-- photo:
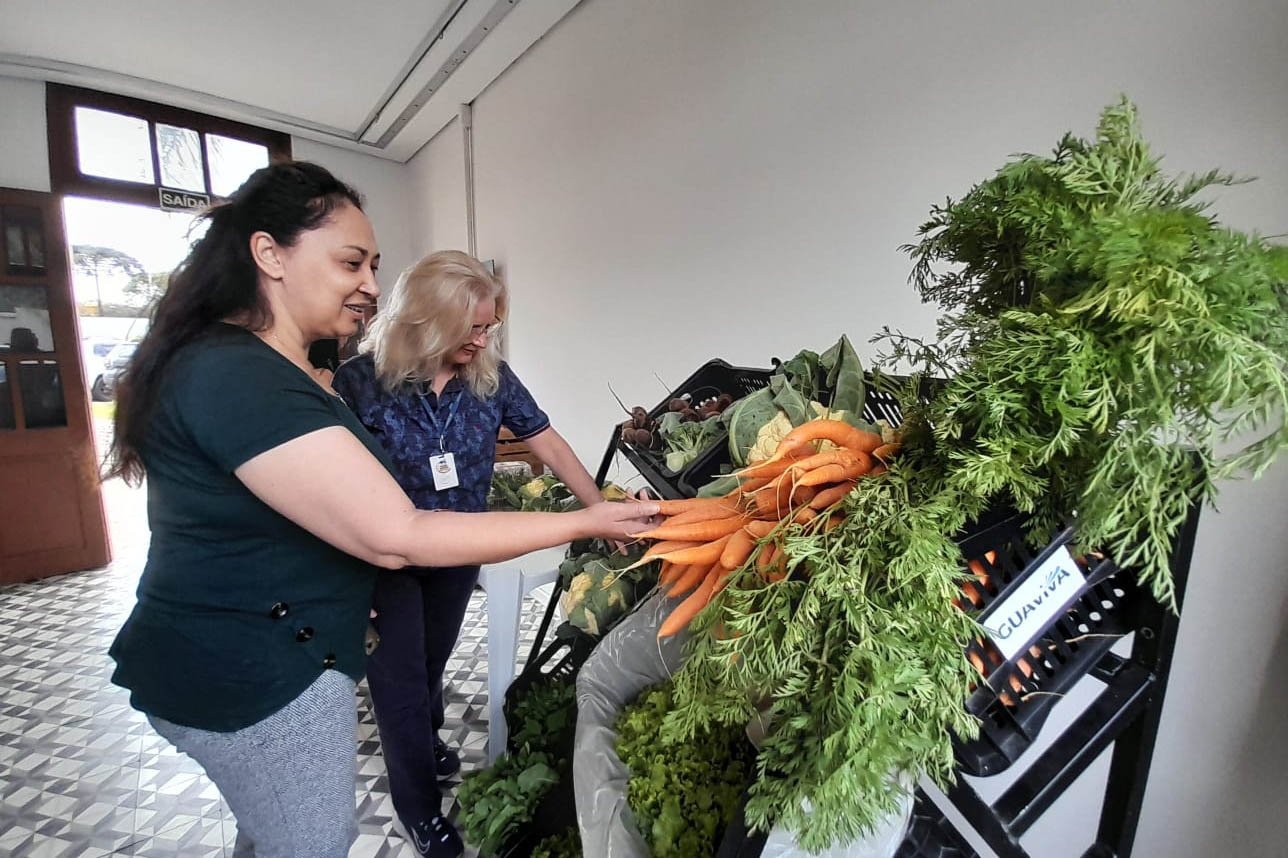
(418, 615)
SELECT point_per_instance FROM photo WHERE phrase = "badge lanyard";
(443, 465)
(433, 419)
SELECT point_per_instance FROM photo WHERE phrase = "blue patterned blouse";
(403, 427)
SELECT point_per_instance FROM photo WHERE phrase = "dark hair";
(219, 280)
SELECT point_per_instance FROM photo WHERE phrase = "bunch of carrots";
(705, 540)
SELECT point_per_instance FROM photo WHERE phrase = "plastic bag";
(629, 660)
(882, 842)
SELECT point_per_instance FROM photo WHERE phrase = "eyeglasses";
(489, 330)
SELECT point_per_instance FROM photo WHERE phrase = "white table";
(506, 584)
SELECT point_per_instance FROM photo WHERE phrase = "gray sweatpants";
(289, 779)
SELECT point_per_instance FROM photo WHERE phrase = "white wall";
(24, 154)
(667, 182)
(438, 216)
(383, 184)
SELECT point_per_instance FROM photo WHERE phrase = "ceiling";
(381, 78)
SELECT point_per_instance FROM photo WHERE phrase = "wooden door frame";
(51, 440)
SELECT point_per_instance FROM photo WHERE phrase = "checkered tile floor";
(82, 775)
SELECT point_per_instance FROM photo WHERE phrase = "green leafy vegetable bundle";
(543, 719)
(497, 802)
(683, 795)
(683, 441)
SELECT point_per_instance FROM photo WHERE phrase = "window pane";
(113, 146)
(24, 320)
(23, 244)
(232, 161)
(179, 152)
(42, 394)
(15, 246)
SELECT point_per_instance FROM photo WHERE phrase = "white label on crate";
(1022, 615)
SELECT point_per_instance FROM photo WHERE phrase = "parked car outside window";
(117, 359)
(94, 352)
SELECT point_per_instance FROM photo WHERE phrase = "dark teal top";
(239, 609)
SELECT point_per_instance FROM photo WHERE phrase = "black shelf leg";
(1133, 752)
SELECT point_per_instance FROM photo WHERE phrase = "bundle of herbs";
(1105, 340)
(1113, 350)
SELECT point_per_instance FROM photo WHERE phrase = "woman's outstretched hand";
(619, 521)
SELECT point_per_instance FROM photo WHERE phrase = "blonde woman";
(430, 384)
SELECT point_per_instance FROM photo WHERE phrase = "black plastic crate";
(931, 835)
(711, 379)
(556, 811)
(1093, 612)
(716, 460)
(561, 660)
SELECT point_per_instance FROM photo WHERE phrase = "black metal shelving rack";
(1126, 714)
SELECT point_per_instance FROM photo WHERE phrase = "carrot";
(885, 452)
(700, 531)
(737, 550)
(833, 521)
(776, 500)
(978, 569)
(708, 554)
(975, 661)
(973, 594)
(818, 460)
(835, 473)
(829, 496)
(688, 609)
(670, 572)
(675, 507)
(765, 560)
(745, 486)
(780, 461)
(877, 470)
(722, 577)
(709, 512)
(839, 432)
(690, 579)
(805, 515)
(670, 545)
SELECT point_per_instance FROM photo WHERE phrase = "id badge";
(444, 468)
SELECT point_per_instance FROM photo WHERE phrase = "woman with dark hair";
(270, 507)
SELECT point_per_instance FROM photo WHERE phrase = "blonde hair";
(429, 315)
